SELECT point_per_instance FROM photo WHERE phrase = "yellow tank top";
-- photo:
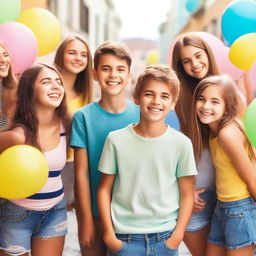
(73, 105)
(229, 185)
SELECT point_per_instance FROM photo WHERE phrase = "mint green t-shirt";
(145, 195)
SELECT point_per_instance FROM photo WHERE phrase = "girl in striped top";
(38, 223)
(7, 87)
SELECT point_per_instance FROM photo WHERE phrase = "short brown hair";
(116, 48)
(159, 72)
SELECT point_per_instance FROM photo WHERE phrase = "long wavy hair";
(188, 83)
(25, 115)
(83, 83)
(201, 132)
(10, 80)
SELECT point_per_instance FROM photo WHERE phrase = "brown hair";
(161, 73)
(188, 83)
(201, 132)
(117, 48)
(83, 82)
(10, 81)
(25, 115)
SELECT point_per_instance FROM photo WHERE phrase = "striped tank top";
(52, 192)
(3, 116)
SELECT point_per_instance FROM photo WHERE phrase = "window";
(84, 17)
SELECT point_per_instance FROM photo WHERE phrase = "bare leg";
(215, 250)
(52, 246)
(245, 251)
(197, 241)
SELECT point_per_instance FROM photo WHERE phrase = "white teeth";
(113, 83)
(54, 95)
(155, 109)
(3, 67)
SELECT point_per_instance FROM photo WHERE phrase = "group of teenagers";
(140, 186)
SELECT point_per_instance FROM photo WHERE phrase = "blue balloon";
(239, 18)
(172, 120)
(192, 5)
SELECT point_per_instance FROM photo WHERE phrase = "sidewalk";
(72, 247)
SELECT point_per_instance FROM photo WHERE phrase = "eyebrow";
(165, 93)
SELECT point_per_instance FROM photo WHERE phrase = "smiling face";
(155, 101)
(48, 89)
(210, 106)
(195, 61)
(4, 62)
(112, 74)
(75, 57)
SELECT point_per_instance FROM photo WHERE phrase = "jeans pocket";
(13, 213)
(235, 212)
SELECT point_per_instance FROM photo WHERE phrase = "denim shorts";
(145, 245)
(199, 220)
(18, 225)
(234, 224)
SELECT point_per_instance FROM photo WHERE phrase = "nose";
(194, 62)
(156, 100)
(206, 105)
(113, 73)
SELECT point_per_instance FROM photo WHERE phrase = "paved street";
(72, 247)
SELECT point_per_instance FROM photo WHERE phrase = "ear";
(95, 74)
(136, 99)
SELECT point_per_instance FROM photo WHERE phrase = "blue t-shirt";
(90, 128)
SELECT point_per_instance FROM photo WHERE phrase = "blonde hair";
(188, 83)
(161, 73)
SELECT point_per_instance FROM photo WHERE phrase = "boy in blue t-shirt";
(90, 127)
(145, 197)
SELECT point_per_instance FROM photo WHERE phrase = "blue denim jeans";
(145, 245)
(234, 224)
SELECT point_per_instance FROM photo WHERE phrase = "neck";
(46, 117)
(115, 104)
(149, 129)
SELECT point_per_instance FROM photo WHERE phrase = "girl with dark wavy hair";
(39, 222)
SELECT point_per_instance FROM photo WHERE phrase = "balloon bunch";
(238, 26)
(31, 33)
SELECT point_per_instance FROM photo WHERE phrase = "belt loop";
(158, 237)
(129, 237)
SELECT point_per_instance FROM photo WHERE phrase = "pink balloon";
(253, 76)
(21, 43)
(220, 52)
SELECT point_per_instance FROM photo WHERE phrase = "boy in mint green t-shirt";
(145, 197)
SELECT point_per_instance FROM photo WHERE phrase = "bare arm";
(104, 203)
(11, 138)
(186, 205)
(235, 150)
(83, 198)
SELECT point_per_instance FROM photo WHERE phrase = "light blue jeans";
(145, 245)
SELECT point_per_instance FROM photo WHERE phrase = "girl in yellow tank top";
(233, 228)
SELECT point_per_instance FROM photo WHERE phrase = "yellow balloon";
(23, 171)
(152, 57)
(242, 52)
(45, 26)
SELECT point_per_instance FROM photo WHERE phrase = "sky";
(141, 18)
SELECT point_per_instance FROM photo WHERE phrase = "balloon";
(10, 10)
(220, 52)
(252, 73)
(21, 43)
(45, 27)
(172, 120)
(192, 5)
(152, 57)
(239, 18)
(23, 171)
(242, 52)
(250, 122)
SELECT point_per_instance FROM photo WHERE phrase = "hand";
(199, 202)
(86, 233)
(113, 243)
(174, 240)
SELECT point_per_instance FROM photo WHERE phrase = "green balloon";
(250, 122)
(9, 10)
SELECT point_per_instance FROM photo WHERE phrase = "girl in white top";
(38, 224)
